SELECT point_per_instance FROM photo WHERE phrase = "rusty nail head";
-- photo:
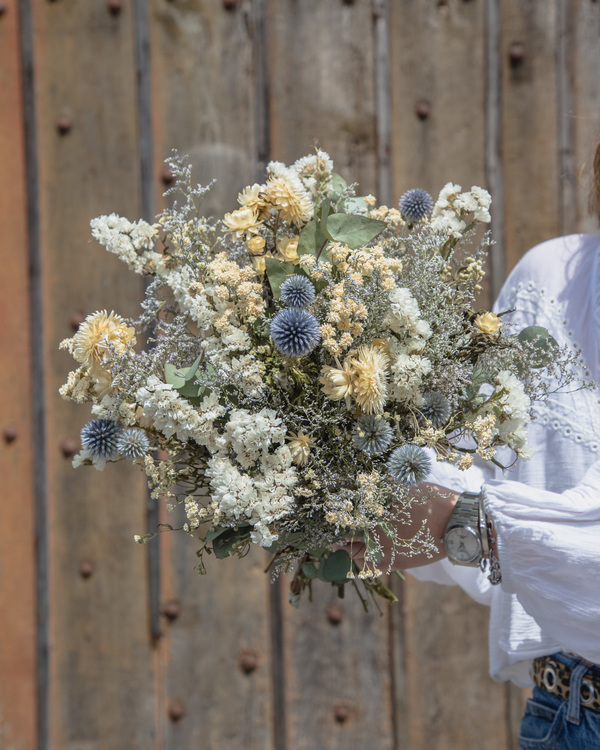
(167, 176)
(64, 124)
(176, 709)
(10, 434)
(516, 53)
(86, 568)
(342, 714)
(230, 4)
(423, 109)
(115, 7)
(248, 661)
(69, 447)
(335, 614)
(172, 609)
(77, 319)
(3, 9)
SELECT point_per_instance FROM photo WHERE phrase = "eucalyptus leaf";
(337, 185)
(310, 570)
(311, 239)
(353, 229)
(355, 205)
(543, 343)
(277, 272)
(174, 376)
(337, 566)
(212, 534)
(223, 545)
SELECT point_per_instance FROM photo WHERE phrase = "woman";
(544, 514)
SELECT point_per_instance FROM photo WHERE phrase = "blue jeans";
(552, 723)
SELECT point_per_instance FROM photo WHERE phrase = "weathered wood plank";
(18, 727)
(439, 115)
(101, 659)
(586, 51)
(321, 65)
(322, 62)
(215, 657)
(530, 130)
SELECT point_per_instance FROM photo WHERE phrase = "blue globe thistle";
(100, 438)
(409, 464)
(297, 291)
(436, 408)
(295, 332)
(372, 434)
(416, 205)
(133, 443)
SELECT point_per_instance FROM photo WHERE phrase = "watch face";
(462, 544)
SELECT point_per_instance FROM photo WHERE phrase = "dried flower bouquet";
(308, 356)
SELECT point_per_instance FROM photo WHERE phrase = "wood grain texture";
(101, 656)
(17, 550)
(530, 129)
(322, 63)
(586, 115)
(322, 84)
(439, 105)
(203, 60)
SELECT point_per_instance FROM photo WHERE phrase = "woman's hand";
(435, 511)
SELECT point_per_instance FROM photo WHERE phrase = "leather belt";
(555, 677)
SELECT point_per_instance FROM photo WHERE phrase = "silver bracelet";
(488, 545)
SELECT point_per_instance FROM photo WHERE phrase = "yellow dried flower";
(99, 333)
(488, 323)
(288, 247)
(241, 222)
(369, 368)
(288, 196)
(337, 382)
(299, 446)
(255, 244)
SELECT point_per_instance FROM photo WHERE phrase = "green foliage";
(545, 346)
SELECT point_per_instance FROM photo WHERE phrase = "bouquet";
(306, 359)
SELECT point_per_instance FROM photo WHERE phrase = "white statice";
(84, 456)
(132, 242)
(406, 377)
(404, 318)
(313, 169)
(484, 201)
(251, 434)
(260, 499)
(514, 401)
(276, 169)
(453, 206)
(190, 296)
(173, 414)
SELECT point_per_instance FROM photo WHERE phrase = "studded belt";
(555, 677)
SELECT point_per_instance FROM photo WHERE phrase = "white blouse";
(546, 510)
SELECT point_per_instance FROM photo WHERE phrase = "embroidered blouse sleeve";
(549, 551)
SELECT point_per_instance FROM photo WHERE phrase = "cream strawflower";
(299, 446)
(241, 222)
(370, 379)
(99, 333)
(488, 323)
(288, 196)
(288, 247)
(251, 197)
(337, 383)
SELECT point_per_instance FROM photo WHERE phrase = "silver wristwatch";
(465, 537)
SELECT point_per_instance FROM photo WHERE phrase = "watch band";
(466, 515)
